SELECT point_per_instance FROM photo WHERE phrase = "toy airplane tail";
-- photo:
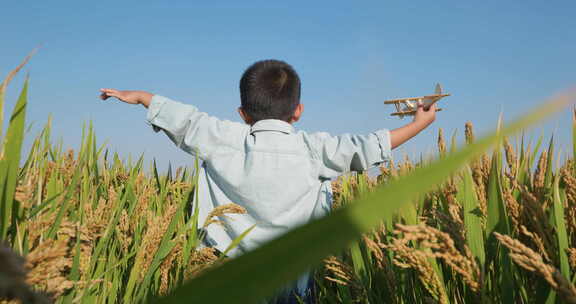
(438, 90)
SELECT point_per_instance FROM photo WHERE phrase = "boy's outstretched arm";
(191, 130)
(422, 119)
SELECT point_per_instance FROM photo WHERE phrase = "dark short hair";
(270, 89)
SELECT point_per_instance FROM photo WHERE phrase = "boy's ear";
(297, 113)
(244, 116)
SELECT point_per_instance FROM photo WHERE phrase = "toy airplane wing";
(410, 104)
(425, 99)
(409, 113)
(401, 100)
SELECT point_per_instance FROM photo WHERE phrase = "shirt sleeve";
(191, 130)
(344, 153)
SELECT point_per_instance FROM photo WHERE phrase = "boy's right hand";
(131, 97)
(424, 117)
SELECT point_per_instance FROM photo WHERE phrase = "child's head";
(270, 89)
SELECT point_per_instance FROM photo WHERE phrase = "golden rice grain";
(441, 246)
(49, 264)
(441, 142)
(527, 258)
(532, 261)
(469, 132)
(156, 227)
(200, 260)
(540, 172)
(222, 211)
(342, 274)
(511, 158)
(167, 265)
(537, 240)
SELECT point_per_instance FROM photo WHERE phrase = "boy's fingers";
(110, 91)
(105, 96)
(429, 108)
(106, 93)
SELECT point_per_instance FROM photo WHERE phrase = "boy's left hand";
(131, 97)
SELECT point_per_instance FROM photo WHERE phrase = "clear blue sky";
(492, 56)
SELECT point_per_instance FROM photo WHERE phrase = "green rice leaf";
(496, 208)
(534, 152)
(66, 201)
(4, 86)
(549, 170)
(473, 219)
(574, 139)
(10, 162)
(237, 241)
(561, 232)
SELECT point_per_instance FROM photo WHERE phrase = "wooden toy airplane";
(411, 104)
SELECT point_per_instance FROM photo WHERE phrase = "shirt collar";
(272, 125)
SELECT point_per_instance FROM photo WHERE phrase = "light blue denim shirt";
(279, 175)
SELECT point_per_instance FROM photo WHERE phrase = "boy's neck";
(291, 122)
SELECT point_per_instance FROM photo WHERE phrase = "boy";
(279, 175)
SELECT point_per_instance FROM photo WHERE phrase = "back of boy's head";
(270, 89)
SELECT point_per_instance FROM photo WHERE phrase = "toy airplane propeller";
(411, 104)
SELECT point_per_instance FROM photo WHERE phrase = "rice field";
(92, 228)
